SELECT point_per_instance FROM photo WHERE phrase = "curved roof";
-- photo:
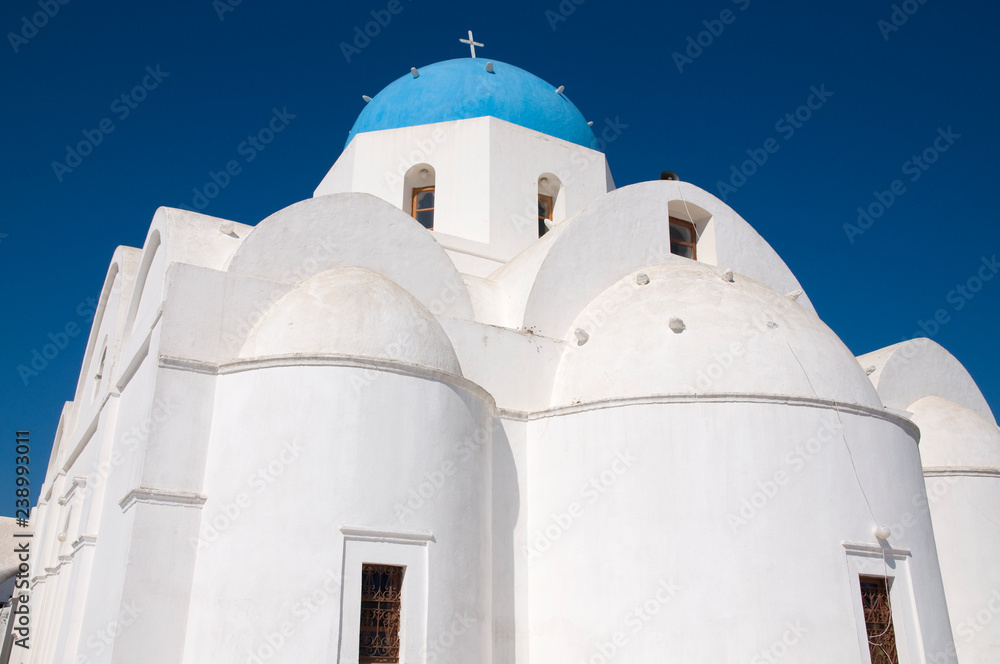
(353, 311)
(353, 230)
(738, 337)
(952, 435)
(619, 233)
(907, 371)
(462, 89)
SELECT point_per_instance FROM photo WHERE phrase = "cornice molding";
(961, 471)
(392, 536)
(161, 497)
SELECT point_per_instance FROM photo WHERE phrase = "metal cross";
(472, 43)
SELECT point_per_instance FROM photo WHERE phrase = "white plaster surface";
(909, 370)
(960, 449)
(338, 385)
(353, 311)
(739, 338)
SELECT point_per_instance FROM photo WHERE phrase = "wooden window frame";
(413, 202)
(694, 237)
(541, 219)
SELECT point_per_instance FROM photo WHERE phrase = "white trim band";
(875, 551)
(161, 497)
(961, 471)
(393, 536)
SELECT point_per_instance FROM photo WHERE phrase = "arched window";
(419, 193)
(550, 203)
(423, 206)
(544, 213)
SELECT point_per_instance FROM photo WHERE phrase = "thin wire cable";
(857, 478)
(840, 421)
(888, 601)
(847, 447)
(687, 211)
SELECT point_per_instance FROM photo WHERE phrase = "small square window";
(683, 238)
(423, 206)
(381, 605)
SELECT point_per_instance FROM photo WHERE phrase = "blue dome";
(462, 89)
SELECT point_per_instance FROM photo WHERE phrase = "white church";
(472, 403)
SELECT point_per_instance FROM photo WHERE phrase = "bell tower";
(486, 154)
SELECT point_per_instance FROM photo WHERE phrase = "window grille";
(381, 602)
(878, 620)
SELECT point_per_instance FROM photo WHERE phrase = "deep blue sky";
(890, 98)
